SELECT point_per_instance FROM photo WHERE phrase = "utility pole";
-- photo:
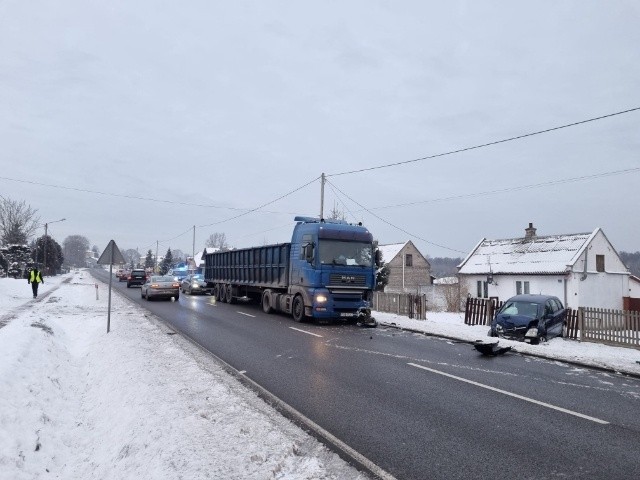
(322, 180)
(46, 228)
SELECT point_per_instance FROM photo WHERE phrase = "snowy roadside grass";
(79, 403)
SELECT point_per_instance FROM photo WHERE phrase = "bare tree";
(454, 295)
(18, 222)
(217, 240)
(336, 213)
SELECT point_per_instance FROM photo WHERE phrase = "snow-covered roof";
(446, 281)
(535, 255)
(198, 260)
(390, 251)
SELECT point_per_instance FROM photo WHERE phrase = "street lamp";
(46, 227)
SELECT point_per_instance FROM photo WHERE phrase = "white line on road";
(246, 314)
(304, 331)
(515, 395)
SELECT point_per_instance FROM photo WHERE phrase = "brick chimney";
(530, 232)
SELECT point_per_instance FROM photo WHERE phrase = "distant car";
(137, 277)
(124, 275)
(530, 318)
(119, 272)
(193, 284)
(158, 286)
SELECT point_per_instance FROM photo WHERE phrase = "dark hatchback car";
(193, 284)
(530, 318)
(137, 277)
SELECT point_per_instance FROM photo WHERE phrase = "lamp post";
(46, 227)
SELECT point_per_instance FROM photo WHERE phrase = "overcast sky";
(137, 121)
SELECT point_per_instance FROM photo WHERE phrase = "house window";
(599, 263)
(408, 260)
(522, 287)
(483, 289)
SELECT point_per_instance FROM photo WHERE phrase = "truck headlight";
(321, 298)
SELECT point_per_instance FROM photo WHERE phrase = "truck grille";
(338, 280)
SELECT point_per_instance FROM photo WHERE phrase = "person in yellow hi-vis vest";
(35, 279)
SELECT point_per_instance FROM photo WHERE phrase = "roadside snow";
(78, 403)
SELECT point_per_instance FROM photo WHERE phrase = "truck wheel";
(229, 296)
(297, 310)
(266, 302)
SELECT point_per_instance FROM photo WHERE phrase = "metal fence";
(413, 306)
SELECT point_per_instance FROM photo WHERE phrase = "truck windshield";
(337, 252)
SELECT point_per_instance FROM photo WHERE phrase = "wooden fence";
(413, 306)
(611, 327)
(480, 311)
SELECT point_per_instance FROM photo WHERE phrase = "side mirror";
(309, 252)
(378, 258)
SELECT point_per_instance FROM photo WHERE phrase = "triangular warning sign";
(111, 255)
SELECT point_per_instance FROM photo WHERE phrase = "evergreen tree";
(382, 272)
(55, 258)
(167, 262)
(148, 261)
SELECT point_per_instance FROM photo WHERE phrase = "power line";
(131, 197)
(395, 226)
(514, 189)
(510, 139)
(263, 205)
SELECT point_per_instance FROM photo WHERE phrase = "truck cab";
(332, 268)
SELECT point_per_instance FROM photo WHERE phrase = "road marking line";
(515, 395)
(246, 314)
(242, 372)
(304, 331)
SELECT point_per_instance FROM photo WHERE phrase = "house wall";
(403, 279)
(504, 286)
(599, 245)
(589, 288)
(634, 288)
(597, 290)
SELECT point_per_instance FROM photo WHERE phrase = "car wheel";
(297, 309)
(541, 339)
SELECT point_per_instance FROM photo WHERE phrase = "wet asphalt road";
(421, 407)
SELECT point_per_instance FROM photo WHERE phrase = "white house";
(582, 269)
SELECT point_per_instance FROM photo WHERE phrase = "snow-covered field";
(78, 403)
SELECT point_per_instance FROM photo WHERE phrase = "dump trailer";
(328, 271)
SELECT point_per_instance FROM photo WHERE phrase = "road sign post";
(110, 256)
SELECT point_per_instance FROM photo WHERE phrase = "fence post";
(581, 322)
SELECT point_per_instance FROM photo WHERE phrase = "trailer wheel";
(229, 296)
(266, 302)
(221, 292)
(297, 309)
(216, 291)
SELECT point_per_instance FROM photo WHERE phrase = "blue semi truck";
(328, 271)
